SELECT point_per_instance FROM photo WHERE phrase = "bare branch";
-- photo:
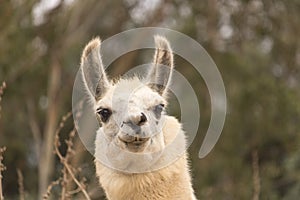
(2, 168)
(2, 87)
(54, 183)
(2, 149)
(65, 160)
(77, 190)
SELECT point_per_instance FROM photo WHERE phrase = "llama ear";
(94, 76)
(159, 76)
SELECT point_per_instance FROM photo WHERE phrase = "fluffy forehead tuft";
(128, 85)
(131, 90)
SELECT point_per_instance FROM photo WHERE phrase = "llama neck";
(169, 181)
(172, 182)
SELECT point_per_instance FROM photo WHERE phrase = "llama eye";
(104, 114)
(158, 109)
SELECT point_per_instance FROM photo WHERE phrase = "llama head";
(130, 111)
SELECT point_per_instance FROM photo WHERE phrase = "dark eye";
(104, 114)
(162, 106)
(158, 109)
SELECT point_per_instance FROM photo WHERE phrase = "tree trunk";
(46, 156)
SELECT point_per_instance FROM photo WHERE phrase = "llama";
(137, 138)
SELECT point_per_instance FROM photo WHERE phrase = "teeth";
(136, 140)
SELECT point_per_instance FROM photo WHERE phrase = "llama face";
(132, 116)
(130, 111)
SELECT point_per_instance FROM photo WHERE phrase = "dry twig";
(2, 88)
(48, 193)
(68, 171)
(2, 149)
(2, 168)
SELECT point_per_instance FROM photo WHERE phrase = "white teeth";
(136, 140)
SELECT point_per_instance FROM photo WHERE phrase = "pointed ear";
(93, 74)
(159, 76)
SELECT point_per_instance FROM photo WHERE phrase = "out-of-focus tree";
(41, 44)
(256, 48)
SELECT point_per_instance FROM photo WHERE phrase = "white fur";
(157, 169)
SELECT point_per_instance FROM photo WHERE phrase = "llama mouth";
(135, 140)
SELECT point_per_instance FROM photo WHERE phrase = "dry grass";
(49, 189)
(2, 149)
(68, 173)
(2, 168)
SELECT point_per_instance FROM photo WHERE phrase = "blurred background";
(255, 44)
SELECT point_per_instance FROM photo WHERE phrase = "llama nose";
(143, 119)
(139, 119)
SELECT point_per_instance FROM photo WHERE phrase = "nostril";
(143, 119)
